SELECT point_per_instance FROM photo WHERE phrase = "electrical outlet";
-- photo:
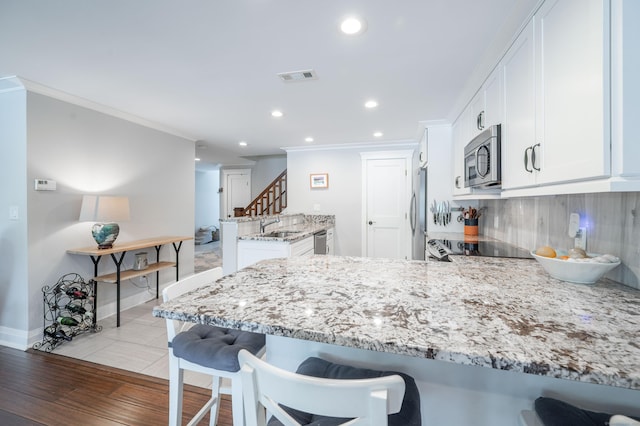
(581, 239)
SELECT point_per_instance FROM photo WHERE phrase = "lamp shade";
(104, 208)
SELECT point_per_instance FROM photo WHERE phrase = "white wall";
(343, 197)
(86, 151)
(207, 199)
(265, 170)
(14, 293)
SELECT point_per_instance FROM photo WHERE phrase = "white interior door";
(237, 189)
(387, 192)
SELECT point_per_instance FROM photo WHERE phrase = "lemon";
(546, 251)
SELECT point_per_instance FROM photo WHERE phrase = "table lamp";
(105, 210)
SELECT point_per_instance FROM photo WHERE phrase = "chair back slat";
(368, 401)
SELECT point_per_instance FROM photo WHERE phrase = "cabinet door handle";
(533, 157)
(457, 182)
(371, 222)
(526, 159)
(480, 121)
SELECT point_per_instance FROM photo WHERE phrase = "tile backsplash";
(612, 221)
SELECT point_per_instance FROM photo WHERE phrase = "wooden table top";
(127, 246)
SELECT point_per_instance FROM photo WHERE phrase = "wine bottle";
(57, 334)
(67, 321)
(76, 293)
(76, 309)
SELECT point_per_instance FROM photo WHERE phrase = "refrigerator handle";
(412, 213)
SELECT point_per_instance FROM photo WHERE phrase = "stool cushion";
(554, 412)
(409, 414)
(215, 347)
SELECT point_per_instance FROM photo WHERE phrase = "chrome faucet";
(264, 223)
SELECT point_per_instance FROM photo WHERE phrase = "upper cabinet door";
(423, 150)
(493, 98)
(476, 115)
(572, 128)
(518, 129)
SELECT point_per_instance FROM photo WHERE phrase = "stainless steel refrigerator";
(418, 214)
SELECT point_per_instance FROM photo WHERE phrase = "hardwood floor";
(38, 388)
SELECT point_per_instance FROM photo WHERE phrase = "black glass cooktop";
(442, 248)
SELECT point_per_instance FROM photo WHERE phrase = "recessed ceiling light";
(371, 104)
(377, 134)
(197, 159)
(308, 139)
(352, 25)
(242, 143)
(276, 113)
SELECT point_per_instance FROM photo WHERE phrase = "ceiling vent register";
(292, 76)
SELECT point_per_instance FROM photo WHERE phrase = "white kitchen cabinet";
(475, 115)
(460, 136)
(555, 97)
(493, 99)
(571, 93)
(518, 129)
(423, 149)
(302, 248)
(252, 251)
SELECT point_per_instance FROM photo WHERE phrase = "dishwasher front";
(320, 242)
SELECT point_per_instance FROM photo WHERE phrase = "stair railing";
(273, 200)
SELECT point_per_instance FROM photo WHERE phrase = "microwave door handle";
(478, 165)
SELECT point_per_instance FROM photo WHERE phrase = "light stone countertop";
(498, 313)
(302, 231)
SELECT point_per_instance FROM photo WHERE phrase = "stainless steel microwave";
(482, 160)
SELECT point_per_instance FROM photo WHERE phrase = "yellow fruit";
(546, 251)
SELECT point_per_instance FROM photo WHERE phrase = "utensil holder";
(471, 227)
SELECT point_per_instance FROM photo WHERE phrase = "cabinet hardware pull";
(457, 182)
(526, 159)
(533, 157)
(480, 121)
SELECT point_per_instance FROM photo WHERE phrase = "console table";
(118, 252)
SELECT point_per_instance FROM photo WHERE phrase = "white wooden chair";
(366, 401)
(178, 364)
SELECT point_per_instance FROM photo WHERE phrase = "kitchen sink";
(280, 234)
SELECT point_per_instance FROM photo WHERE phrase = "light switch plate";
(13, 213)
(581, 239)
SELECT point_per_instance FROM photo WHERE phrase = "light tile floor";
(138, 345)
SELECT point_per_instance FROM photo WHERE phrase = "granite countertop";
(300, 232)
(498, 313)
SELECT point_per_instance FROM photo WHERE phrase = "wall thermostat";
(45, 185)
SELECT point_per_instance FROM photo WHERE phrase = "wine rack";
(69, 310)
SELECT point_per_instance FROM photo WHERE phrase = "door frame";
(407, 155)
(223, 185)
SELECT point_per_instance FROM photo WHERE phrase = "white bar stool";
(205, 349)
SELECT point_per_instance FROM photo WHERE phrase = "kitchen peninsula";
(441, 322)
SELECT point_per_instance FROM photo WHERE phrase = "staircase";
(273, 200)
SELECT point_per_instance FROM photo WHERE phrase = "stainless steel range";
(441, 249)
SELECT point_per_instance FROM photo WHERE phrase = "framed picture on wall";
(319, 180)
